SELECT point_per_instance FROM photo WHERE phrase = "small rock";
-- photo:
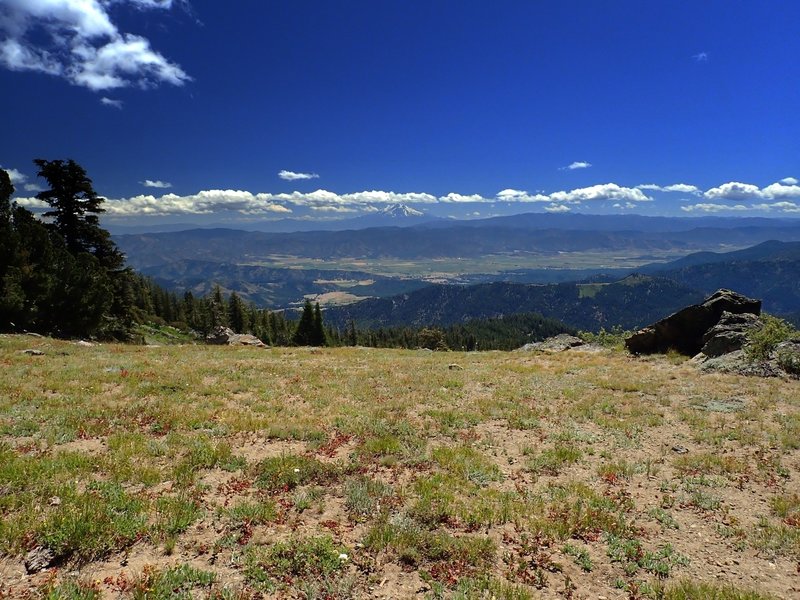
(32, 352)
(84, 344)
(455, 367)
(55, 501)
(680, 449)
(38, 559)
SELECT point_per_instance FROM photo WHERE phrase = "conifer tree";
(304, 334)
(237, 317)
(318, 337)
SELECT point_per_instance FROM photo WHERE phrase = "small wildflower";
(343, 556)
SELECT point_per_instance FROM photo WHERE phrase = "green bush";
(763, 340)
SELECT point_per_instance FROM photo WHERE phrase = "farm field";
(216, 472)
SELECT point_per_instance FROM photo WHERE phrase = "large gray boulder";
(729, 334)
(223, 336)
(557, 343)
(684, 331)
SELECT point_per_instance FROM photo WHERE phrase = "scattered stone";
(680, 449)
(32, 352)
(455, 367)
(36, 335)
(224, 336)
(84, 344)
(55, 501)
(684, 330)
(557, 343)
(38, 559)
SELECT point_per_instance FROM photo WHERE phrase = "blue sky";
(226, 111)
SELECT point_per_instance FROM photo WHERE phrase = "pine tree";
(75, 209)
(236, 313)
(304, 334)
(216, 308)
(318, 337)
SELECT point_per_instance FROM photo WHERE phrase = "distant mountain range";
(767, 269)
(507, 235)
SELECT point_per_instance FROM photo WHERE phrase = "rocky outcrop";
(557, 343)
(729, 334)
(685, 330)
(223, 336)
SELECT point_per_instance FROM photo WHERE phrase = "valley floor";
(195, 471)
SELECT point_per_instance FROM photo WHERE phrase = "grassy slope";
(370, 473)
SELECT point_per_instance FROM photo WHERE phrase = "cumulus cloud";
(76, 40)
(156, 184)
(737, 191)
(511, 195)
(16, 177)
(557, 208)
(578, 164)
(785, 206)
(201, 203)
(33, 187)
(453, 197)
(714, 208)
(790, 181)
(683, 188)
(734, 190)
(292, 176)
(112, 103)
(605, 191)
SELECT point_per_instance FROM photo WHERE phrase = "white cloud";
(790, 181)
(778, 190)
(683, 188)
(17, 177)
(787, 207)
(33, 187)
(701, 57)
(337, 209)
(557, 208)
(33, 203)
(511, 195)
(201, 203)
(156, 184)
(606, 191)
(76, 40)
(735, 190)
(292, 176)
(453, 197)
(112, 103)
(623, 206)
(713, 208)
(578, 164)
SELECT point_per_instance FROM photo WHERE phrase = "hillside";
(770, 271)
(354, 473)
(275, 287)
(630, 302)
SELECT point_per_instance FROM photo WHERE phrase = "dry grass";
(346, 473)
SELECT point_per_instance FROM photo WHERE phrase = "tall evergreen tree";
(237, 317)
(318, 337)
(304, 334)
(75, 209)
